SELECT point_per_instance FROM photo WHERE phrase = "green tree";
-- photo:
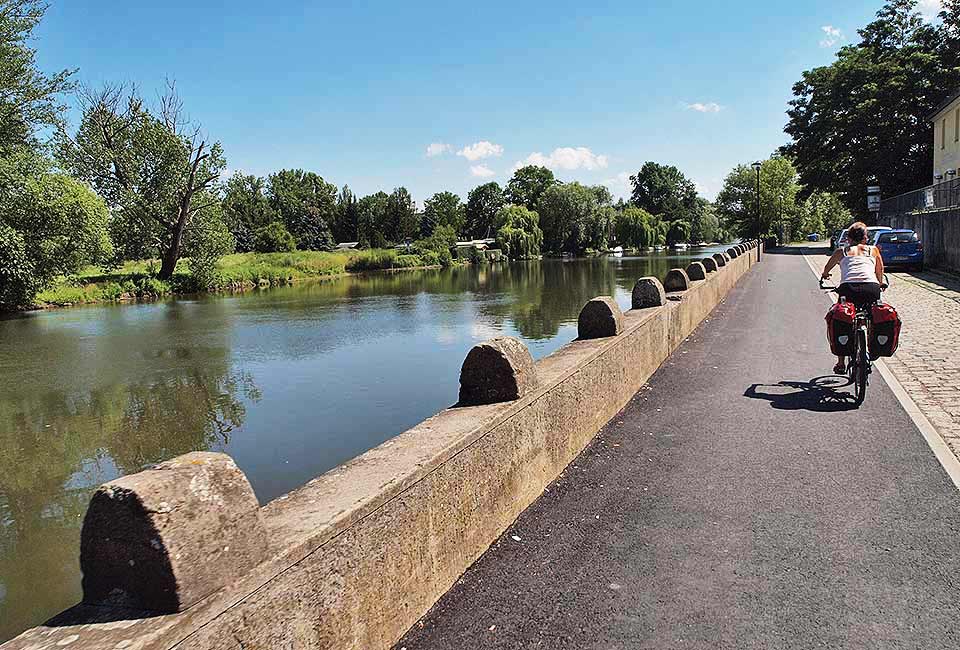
(155, 171)
(862, 119)
(402, 222)
(347, 217)
(443, 209)
(274, 238)
(635, 228)
(483, 204)
(371, 220)
(205, 242)
(572, 218)
(519, 235)
(246, 209)
(527, 186)
(307, 206)
(737, 201)
(663, 190)
(823, 213)
(29, 99)
(51, 225)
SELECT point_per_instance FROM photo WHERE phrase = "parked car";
(873, 231)
(814, 236)
(900, 248)
(835, 240)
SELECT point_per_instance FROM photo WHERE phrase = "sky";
(440, 96)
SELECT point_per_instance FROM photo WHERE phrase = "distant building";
(347, 245)
(479, 244)
(946, 138)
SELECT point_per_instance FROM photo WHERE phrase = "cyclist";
(861, 272)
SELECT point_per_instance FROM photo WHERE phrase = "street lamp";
(757, 166)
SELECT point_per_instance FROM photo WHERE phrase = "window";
(898, 238)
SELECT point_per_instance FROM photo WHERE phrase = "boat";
(680, 247)
(617, 251)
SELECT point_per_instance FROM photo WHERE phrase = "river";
(290, 382)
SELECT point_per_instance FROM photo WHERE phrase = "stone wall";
(939, 231)
(356, 556)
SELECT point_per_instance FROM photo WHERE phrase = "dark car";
(900, 248)
(835, 239)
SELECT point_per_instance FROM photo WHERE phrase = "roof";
(952, 97)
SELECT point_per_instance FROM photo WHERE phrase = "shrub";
(407, 261)
(273, 238)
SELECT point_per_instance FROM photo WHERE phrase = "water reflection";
(290, 382)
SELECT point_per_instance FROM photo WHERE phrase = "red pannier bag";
(840, 328)
(885, 331)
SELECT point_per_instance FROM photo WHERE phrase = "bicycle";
(860, 366)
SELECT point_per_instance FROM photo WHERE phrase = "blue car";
(900, 248)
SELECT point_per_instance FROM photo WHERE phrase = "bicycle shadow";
(820, 394)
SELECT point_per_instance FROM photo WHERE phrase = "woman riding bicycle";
(861, 270)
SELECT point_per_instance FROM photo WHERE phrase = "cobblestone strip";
(927, 362)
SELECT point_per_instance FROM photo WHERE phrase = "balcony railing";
(933, 197)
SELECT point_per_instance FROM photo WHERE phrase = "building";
(946, 138)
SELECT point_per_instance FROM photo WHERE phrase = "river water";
(290, 382)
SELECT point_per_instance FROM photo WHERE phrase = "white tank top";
(858, 268)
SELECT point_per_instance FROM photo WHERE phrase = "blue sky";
(358, 91)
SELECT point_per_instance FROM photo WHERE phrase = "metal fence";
(933, 197)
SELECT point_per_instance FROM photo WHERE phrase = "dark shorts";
(860, 293)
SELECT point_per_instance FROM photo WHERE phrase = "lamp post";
(757, 166)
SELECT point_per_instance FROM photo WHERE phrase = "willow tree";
(154, 168)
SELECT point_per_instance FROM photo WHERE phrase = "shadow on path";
(819, 394)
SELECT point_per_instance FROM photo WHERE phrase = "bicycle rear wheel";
(861, 367)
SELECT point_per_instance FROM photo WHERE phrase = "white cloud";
(566, 158)
(438, 149)
(482, 171)
(929, 8)
(480, 150)
(619, 185)
(704, 107)
(832, 36)
(708, 188)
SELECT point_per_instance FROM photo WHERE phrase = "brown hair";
(857, 233)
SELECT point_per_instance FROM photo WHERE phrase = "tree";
(737, 201)
(347, 217)
(307, 206)
(519, 235)
(402, 222)
(274, 238)
(527, 186)
(371, 219)
(635, 228)
(483, 204)
(443, 209)
(246, 209)
(862, 119)
(51, 225)
(663, 190)
(822, 213)
(28, 98)
(155, 171)
(572, 218)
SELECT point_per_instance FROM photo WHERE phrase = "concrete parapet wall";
(356, 556)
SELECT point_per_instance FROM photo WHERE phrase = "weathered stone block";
(709, 264)
(166, 537)
(696, 271)
(739, 248)
(676, 280)
(648, 292)
(498, 370)
(733, 253)
(599, 318)
(720, 259)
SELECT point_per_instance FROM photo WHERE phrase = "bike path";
(731, 504)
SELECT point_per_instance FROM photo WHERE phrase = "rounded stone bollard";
(709, 264)
(739, 248)
(720, 259)
(648, 292)
(168, 536)
(676, 280)
(696, 271)
(498, 370)
(732, 253)
(599, 318)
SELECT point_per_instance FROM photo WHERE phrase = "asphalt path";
(737, 502)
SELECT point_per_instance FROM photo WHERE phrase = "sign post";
(873, 199)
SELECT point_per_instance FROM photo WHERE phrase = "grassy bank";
(136, 280)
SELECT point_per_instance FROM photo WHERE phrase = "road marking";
(940, 449)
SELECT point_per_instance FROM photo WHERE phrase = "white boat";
(680, 247)
(617, 251)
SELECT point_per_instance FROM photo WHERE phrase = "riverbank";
(237, 272)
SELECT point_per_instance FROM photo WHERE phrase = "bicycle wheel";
(861, 367)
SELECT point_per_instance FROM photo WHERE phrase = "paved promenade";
(735, 503)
